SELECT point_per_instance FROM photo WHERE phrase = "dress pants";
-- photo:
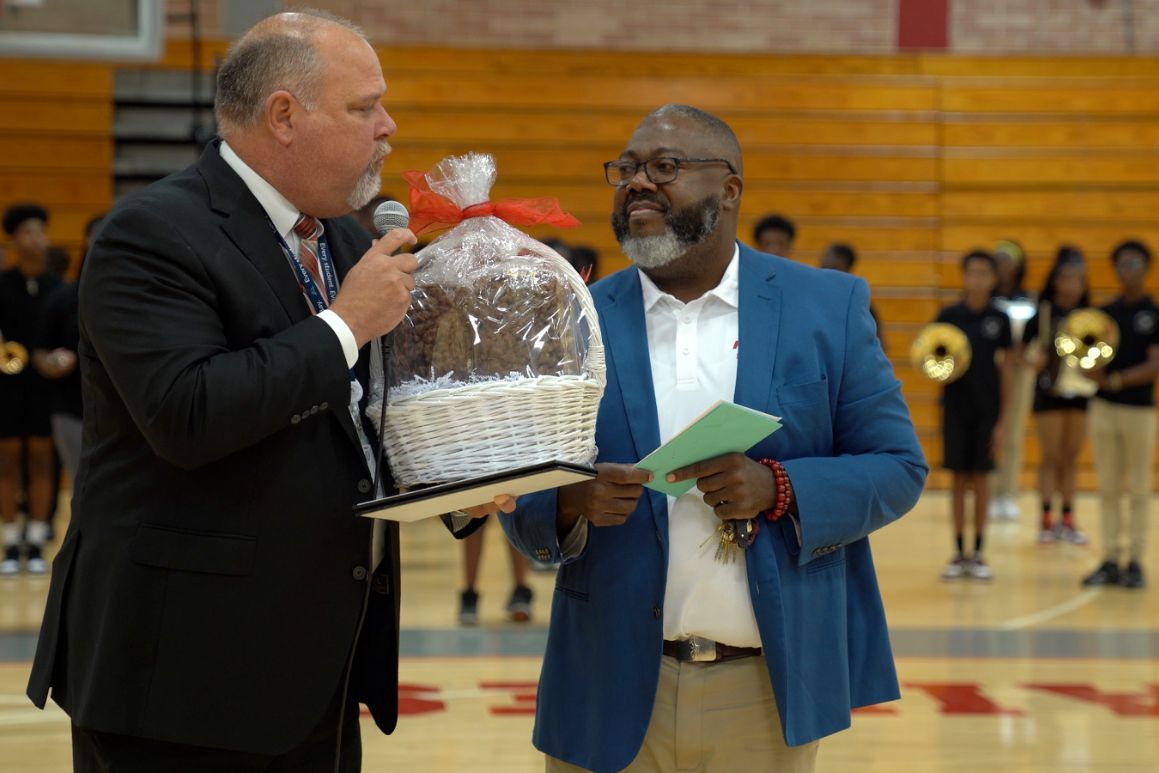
(1123, 441)
(714, 718)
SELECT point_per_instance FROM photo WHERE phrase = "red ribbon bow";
(430, 212)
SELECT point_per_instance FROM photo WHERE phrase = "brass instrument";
(13, 357)
(1086, 339)
(941, 352)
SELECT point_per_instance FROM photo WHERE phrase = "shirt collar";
(727, 291)
(281, 212)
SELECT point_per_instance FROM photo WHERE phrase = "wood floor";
(1028, 673)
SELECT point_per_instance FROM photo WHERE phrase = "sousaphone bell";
(941, 352)
(1086, 339)
(13, 357)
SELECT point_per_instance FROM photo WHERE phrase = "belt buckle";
(696, 649)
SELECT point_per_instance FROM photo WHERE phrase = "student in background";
(25, 428)
(775, 234)
(972, 409)
(1012, 297)
(841, 257)
(1123, 420)
(1060, 418)
(586, 261)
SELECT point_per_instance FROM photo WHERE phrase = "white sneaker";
(956, 569)
(997, 510)
(1010, 509)
(1072, 535)
(1047, 536)
(10, 566)
(34, 561)
(980, 570)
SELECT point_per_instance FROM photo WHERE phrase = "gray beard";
(368, 187)
(370, 183)
(654, 251)
(658, 251)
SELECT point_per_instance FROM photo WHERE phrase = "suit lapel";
(759, 323)
(245, 223)
(247, 226)
(626, 336)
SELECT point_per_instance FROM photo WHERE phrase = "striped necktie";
(308, 230)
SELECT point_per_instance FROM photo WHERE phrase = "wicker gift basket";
(499, 362)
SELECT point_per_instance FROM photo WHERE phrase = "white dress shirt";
(283, 215)
(693, 351)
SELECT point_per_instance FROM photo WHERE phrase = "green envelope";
(724, 428)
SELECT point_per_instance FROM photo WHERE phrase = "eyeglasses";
(657, 170)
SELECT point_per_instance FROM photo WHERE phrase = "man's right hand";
(375, 294)
(606, 500)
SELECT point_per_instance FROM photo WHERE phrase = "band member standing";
(1011, 296)
(972, 409)
(1060, 417)
(1123, 420)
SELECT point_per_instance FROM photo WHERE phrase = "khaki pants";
(1123, 441)
(714, 718)
(1004, 482)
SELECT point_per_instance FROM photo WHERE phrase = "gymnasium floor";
(1028, 673)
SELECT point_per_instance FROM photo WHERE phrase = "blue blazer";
(850, 449)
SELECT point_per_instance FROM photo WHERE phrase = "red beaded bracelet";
(784, 490)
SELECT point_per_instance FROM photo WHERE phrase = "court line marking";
(1050, 613)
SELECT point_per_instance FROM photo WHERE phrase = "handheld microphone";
(390, 215)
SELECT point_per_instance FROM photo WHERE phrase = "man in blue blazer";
(663, 655)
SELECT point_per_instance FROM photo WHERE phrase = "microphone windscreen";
(390, 215)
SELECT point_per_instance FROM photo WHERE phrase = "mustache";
(651, 198)
(381, 151)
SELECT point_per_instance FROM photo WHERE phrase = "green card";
(725, 428)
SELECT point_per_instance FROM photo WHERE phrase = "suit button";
(364, 486)
(656, 612)
(324, 405)
(658, 537)
(359, 573)
(295, 419)
(380, 584)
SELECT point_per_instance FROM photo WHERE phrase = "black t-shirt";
(1138, 329)
(21, 303)
(979, 390)
(60, 329)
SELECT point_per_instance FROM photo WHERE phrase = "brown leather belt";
(699, 650)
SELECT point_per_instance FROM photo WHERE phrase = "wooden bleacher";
(913, 159)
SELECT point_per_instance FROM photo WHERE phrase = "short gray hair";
(277, 54)
(717, 129)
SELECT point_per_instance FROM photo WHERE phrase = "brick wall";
(1054, 26)
(767, 26)
(758, 26)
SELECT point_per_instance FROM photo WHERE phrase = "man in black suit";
(215, 604)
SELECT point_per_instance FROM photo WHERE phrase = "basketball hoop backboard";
(82, 29)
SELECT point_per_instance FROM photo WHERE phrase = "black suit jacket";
(213, 581)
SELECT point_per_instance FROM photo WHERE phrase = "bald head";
(719, 138)
(279, 53)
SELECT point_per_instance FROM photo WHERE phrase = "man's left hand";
(734, 486)
(503, 503)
